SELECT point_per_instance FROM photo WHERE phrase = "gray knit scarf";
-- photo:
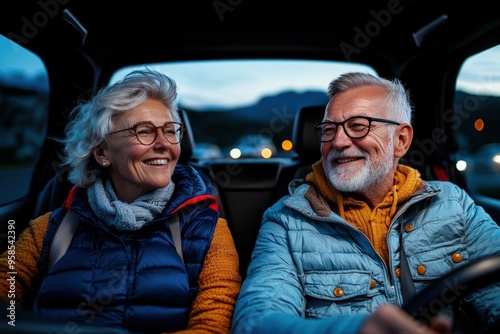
(124, 216)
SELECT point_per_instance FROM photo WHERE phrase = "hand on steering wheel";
(448, 290)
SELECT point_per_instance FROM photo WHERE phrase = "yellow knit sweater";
(373, 223)
(219, 280)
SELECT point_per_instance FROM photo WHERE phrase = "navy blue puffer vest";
(133, 280)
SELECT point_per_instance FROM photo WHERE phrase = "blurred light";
(235, 153)
(286, 145)
(496, 158)
(461, 165)
(479, 124)
(266, 153)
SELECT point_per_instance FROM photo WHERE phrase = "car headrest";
(306, 145)
(187, 143)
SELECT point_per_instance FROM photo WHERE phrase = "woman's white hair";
(91, 121)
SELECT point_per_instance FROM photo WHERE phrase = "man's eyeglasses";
(354, 127)
(146, 132)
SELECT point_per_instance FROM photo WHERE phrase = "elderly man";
(330, 256)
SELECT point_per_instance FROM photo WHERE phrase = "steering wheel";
(450, 288)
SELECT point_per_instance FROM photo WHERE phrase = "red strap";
(440, 173)
(71, 195)
(212, 202)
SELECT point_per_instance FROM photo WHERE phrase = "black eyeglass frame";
(319, 133)
(182, 128)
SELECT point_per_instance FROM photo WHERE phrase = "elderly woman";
(126, 266)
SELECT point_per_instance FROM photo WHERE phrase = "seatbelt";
(63, 237)
(176, 234)
(65, 231)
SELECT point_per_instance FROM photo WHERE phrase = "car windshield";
(246, 108)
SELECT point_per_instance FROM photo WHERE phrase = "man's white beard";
(353, 179)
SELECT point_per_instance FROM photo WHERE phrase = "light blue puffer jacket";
(312, 274)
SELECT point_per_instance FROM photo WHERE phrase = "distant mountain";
(289, 102)
(272, 116)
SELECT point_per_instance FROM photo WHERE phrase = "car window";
(246, 108)
(24, 98)
(476, 118)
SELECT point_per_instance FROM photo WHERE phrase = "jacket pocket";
(431, 265)
(330, 293)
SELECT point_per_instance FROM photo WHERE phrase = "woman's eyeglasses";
(146, 132)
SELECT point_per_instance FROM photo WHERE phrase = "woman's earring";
(104, 164)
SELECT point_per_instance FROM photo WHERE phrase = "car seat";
(306, 145)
